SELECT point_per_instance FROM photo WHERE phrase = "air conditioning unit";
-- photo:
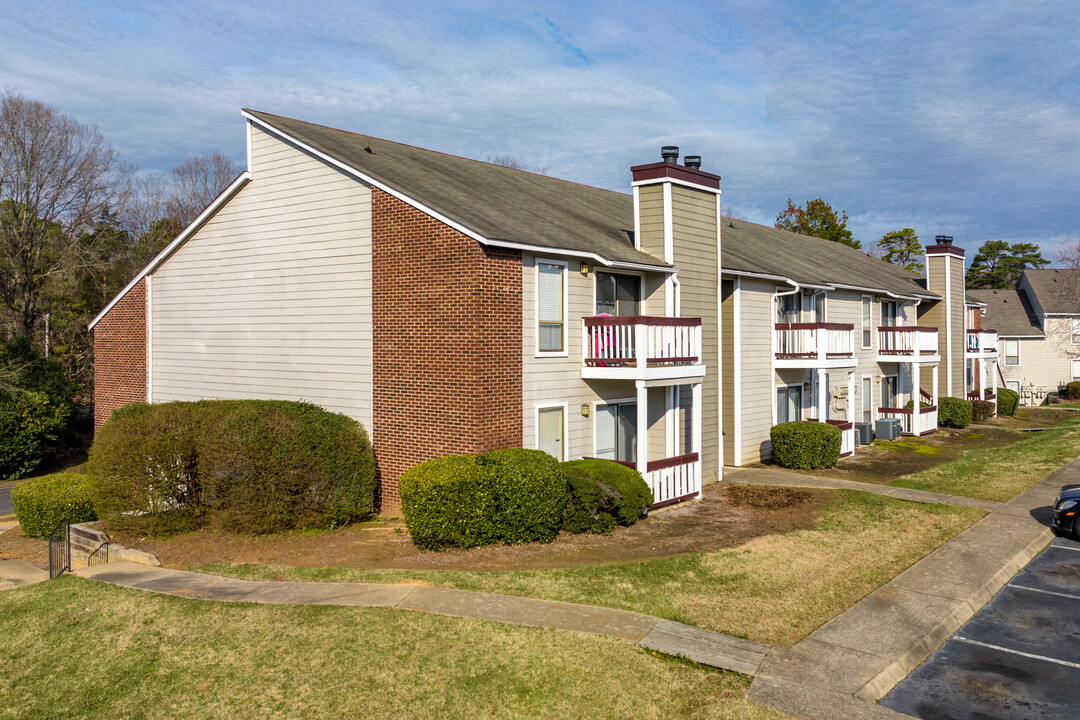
(864, 433)
(888, 428)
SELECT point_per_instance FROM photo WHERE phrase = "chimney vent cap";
(670, 153)
(693, 161)
(944, 239)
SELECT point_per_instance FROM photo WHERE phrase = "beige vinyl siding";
(757, 385)
(694, 227)
(272, 297)
(1044, 364)
(651, 223)
(558, 379)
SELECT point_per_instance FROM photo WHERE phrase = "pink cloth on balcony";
(600, 340)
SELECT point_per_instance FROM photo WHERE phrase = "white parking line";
(1065, 547)
(1046, 592)
(1017, 652)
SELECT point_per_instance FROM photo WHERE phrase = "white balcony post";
(696, 410)
(643, 430)
(916, 395)
(934, 388)
(641, 344)
(994, 375)
(821, 404)
(851, 397)
(587, 347)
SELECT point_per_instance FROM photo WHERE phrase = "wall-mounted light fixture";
(585, 408)
(585, 269)
(806, 386)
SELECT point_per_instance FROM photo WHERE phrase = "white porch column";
(994, 375)
(696, 411)
(982, 378)
(642, 428)
(916, 396)
(822, 404)
(851, 397)
(934, 387)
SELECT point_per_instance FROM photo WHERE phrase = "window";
(684, 408)
(888, 391)
(788, 404)
(1012, 352)
(867, 399)
(1013, 385)
(617, 295)
(817, 305)
(551, 430)
(888, 313)
(867, 303)
(1075, 370)
(550, 307)
(1076, 331)
(787, 308)
(616, 431)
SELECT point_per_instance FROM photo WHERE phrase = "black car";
(1067, 510)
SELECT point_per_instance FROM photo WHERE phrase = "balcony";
(814, 345)
(908, 344)
(847, 436)
(981, 344)
(913, 421)
(641, 348)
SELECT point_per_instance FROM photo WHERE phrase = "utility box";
(888, 428)
(864, 433)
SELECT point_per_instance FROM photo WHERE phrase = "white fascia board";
(350, 170)
(880, 291)
(675, 181)
(179, 240)
(759, 276)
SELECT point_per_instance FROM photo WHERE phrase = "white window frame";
(633, 273)
(867, 381)
(1005, 352)
(1013, 385)
(896, 312)
(1074, 330)
(802, 400)
(565, 352)
(823, 297)
(596, 404)
(566, 425)
(1075, 368)
(899, 392)
(864, 320)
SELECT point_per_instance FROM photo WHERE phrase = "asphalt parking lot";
(1019, 657)
(5, 501)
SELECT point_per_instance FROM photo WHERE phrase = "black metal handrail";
(100, 556)
(60, 549)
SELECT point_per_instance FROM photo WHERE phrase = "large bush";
(510, 496)
(954, 412)
(260, 465)
(981, 410)
(28, 419)
(43, 502)
(805, 444)
(603, 494)
(1007, 401)
(1071, 391)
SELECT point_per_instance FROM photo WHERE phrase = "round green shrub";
(954, 412)
(43, 502)
(805, 444)
(981, 410)
(28, 419)
(1072, 391)
(1007, 401)
(530, 494)
(603, 494)
(510, 496)
(259, 465)
(449, 502)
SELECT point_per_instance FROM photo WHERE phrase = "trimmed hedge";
(43, 502)
(1007, 401)
(511, 496)
(1072, 390)
(954, 412)
(805, 444)
(603, 494)
(260, 465)
(981, 410)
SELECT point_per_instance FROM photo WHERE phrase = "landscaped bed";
(82, 650)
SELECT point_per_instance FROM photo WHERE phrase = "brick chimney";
(945, 277)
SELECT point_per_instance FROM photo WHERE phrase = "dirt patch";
(33, 550)
(885, 461)
(725, 517)
(1027, 418)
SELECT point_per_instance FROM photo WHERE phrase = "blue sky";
(949, 117)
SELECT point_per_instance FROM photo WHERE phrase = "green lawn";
(1002, 473)
(72, 649)
(774, 589)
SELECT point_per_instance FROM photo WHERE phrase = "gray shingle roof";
(1056, 289)
(509, 205)
(1008, 312)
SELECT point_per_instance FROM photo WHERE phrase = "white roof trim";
(676, 181)
(438, 216)
(833, 286)
(198, 222)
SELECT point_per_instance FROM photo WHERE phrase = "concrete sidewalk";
(847, 665)
(17, 573)
(670, 637)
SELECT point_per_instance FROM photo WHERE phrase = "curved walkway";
(664, 635)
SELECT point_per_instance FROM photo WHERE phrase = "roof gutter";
(179, 240)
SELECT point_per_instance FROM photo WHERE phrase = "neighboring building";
(1038, 326)
(455, 306)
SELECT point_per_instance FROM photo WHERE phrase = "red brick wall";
(446, 342)
(120, 355)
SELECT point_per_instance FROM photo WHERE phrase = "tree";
(819, 220)
(196, 182)
(57, 176)
(512, 161)
(999, 265)
(901, 247)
